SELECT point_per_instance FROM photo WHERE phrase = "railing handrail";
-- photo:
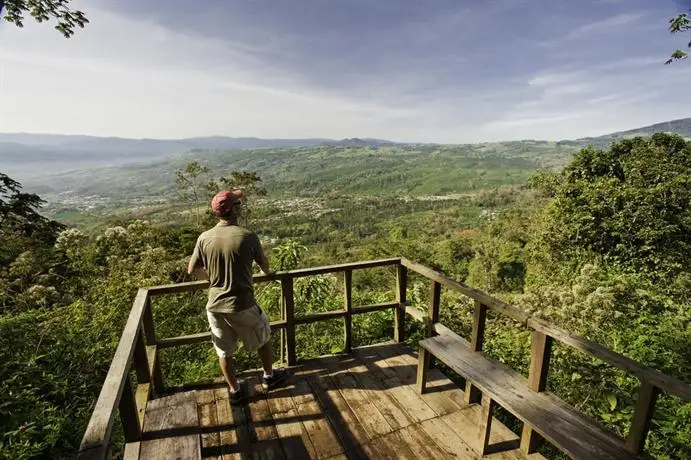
(138, 342)
(277, 276)
(662, 381)
(101, 422)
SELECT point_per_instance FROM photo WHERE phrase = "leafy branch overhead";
(679, 24)
(68, 19)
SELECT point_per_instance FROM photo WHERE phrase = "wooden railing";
(139, 346)
(652, 382)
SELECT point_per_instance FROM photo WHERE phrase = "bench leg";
(422, 367)
(530, 439)
(472, 393)
(485, 422)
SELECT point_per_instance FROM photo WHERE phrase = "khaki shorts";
(250, 325)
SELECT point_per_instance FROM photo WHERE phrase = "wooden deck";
(362, 405)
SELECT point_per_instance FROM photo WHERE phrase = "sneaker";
(239, 396)
(278, 376)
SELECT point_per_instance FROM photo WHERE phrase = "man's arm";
(261, 259)
(196, 264)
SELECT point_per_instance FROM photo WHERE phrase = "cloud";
(420, 70)
(605, 25)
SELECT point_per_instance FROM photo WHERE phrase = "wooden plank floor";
(362, 405)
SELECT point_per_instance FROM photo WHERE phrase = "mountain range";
(73, 167)
(32, 155)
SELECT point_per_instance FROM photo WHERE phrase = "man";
(226, 252)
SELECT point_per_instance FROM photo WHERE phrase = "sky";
(448, 71)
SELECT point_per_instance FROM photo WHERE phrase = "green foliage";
(679, 24)
(44, 10)
(600, 249)
(630, 204)
(190, 182)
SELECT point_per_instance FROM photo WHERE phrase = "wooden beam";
(141, 396)
(663, 382)
(422, 369)
(472, 394)
(282, 346)
(645, 407)
(433, 312)
(155, 369)
(202, 337)
(320, 316)
(128, 413)
(485, 425)
(337, 268)
(541, 345)
(348, 307)
(97, 434)
(199, 285)
(399, 318)
(440, 329)
(495, 304)
(178, 288)
(148, 322)
(434, 304)
(374, 307)
(289, 306)
(418, 315)
(141, 364)
(540, 353)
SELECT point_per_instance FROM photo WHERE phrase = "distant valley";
(83, 171)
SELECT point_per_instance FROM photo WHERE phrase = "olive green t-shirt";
(227, 252)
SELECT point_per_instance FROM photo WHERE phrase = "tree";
(247, 181)
(190, 181)
(20, 223)
(630, 204)
(679, 24)
(44, 10)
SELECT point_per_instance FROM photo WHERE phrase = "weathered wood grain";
(168, 422)
(573, 433)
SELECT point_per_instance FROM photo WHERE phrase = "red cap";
(223, 201)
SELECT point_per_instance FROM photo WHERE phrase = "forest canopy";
(601, 248)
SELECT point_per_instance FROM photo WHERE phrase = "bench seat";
(575, 434)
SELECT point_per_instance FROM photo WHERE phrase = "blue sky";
(412, 70)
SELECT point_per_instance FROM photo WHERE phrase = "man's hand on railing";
(200, 274)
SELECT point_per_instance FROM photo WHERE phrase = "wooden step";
(171, 430)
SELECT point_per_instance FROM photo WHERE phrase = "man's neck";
(228, 221)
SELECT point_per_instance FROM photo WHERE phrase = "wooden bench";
(575, 434)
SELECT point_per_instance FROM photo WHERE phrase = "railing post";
(348, 307)
(152, 354)
(128, 413)
(288, 300)
(540, 352)
(643, 415)
(282, 334)
(141, 362)
(473, 394)
(148, 323)
(399, 318)
(433, 312)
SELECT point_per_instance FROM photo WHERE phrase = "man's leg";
(229, 372)
(224, 339)
(265, 354)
